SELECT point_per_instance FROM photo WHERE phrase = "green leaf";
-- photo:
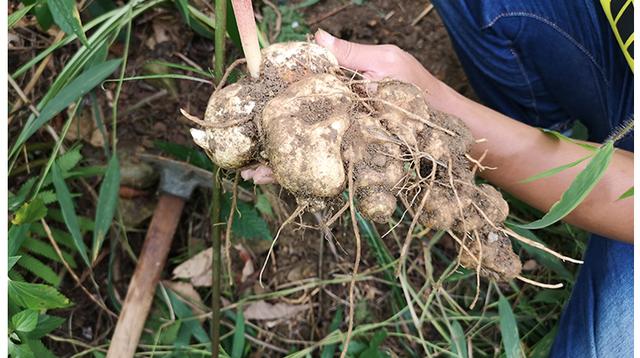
(181, 152)
(21, 196)
(47, 196)
(562, 137)
(46, 324)
(581, 186)
(30, 212)
(66, 16)
(458, 344)
(373, 350)
(17, 235)
(330, 349)
(19, 14)
(232, 26)
(43, 249)
(263, 205)
(554, 171)
(107, 201)
(36, 296)
(12, 261)
(183, 7)
(69, 160)
(20, 350)
(85, 223)
(626, 194)
(39, 269)
(185, 313)
(68, 211)
(85, 82)
(43, 15)
(38, 349)
(238, 335)
(509, 329)
(248, 223)
(542, 348)
(25, 321)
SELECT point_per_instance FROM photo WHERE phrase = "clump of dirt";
(322, 135)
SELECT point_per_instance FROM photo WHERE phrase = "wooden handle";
(143, 283)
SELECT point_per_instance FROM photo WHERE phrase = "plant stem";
(219, 38)
(243, 11)
(216, 196)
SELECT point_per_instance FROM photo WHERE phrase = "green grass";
(424, 311)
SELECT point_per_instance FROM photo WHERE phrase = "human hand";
(377, 62)
(260, 174)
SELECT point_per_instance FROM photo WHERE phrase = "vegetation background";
(94, 83)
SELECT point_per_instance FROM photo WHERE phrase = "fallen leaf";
(529, 265)
(81, 128)
(245, 256)
(196, 269)
(262, 310)
(97, 138)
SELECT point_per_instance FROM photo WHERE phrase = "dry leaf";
(197, 269)
(245, 256)
(97, 138)
(262, 310)
(81, 128)
(529, 265)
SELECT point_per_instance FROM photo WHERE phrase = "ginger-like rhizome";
(320, 129)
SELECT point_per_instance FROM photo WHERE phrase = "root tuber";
(310, 122)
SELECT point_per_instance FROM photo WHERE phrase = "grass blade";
(626, 194)
(238, 335)
(578, 190)
(70, 93)
(66, 16)
(68, 212)
(107, 200)
(509, 329)
(19, 14)
(554, 171)
(561, 136)
(458, 346)
(330, 349)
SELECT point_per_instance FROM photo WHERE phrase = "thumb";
(351, 55)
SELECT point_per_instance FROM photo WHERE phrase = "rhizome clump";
(323, 131)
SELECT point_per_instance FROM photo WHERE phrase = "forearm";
(519, 151)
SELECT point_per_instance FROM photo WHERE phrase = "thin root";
(356, 264)
(539, 246)
(228, 233)
(206, 124)
(478, 268)
(296, 212)
(539, 284)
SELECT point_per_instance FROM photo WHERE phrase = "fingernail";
(324, 38)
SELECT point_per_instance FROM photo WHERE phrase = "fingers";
(355, 56)
(260, 174)
(263, 175)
